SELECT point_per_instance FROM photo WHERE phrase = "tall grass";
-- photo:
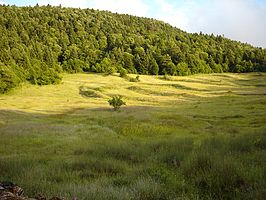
(192, 144)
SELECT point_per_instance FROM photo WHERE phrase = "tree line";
(38, 43)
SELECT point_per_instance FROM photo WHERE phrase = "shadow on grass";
(90, 92)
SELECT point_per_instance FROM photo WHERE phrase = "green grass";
(195, 137)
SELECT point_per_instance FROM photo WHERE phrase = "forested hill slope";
(38, 43)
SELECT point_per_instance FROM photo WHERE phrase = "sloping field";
(195, 137)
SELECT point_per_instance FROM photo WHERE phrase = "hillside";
(39, 43)
(192, 137)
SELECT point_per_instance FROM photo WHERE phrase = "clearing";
(194, 137)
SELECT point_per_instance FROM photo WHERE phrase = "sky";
(241, 20)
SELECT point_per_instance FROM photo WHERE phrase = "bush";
(8, 79)
(46, 77)
(123, 72)
(110, 71)
(116, 102)
(41, 74)
(134, 79)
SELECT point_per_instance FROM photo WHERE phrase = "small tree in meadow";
(122, 72)
(116, 102)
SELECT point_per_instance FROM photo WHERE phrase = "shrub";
(116, 102)
(46, 77)
(134, 79)
(8, 79)
(110, 71)
(42, 74)
(123, 72)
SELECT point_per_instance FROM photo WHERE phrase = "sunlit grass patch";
(184, 138)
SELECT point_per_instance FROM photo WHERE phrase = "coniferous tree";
(38, 43)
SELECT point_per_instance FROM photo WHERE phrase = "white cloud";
(3, 3)
(65, 3)
(172, 14)
(136, 7)
(242, 20)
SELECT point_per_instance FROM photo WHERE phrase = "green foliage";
(47, 77)
(41, 74)
(73, 65)
(116, 102)
(105, 66)
(182, 69)
(8, 79)
(122, 72)
(154, 68)
(89, 40)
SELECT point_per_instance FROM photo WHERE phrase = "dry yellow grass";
(172, 138)
(150, 91)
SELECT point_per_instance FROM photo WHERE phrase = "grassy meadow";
(194, 137)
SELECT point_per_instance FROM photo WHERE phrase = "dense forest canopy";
(38, 43)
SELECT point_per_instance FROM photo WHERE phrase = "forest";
(39, 43)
